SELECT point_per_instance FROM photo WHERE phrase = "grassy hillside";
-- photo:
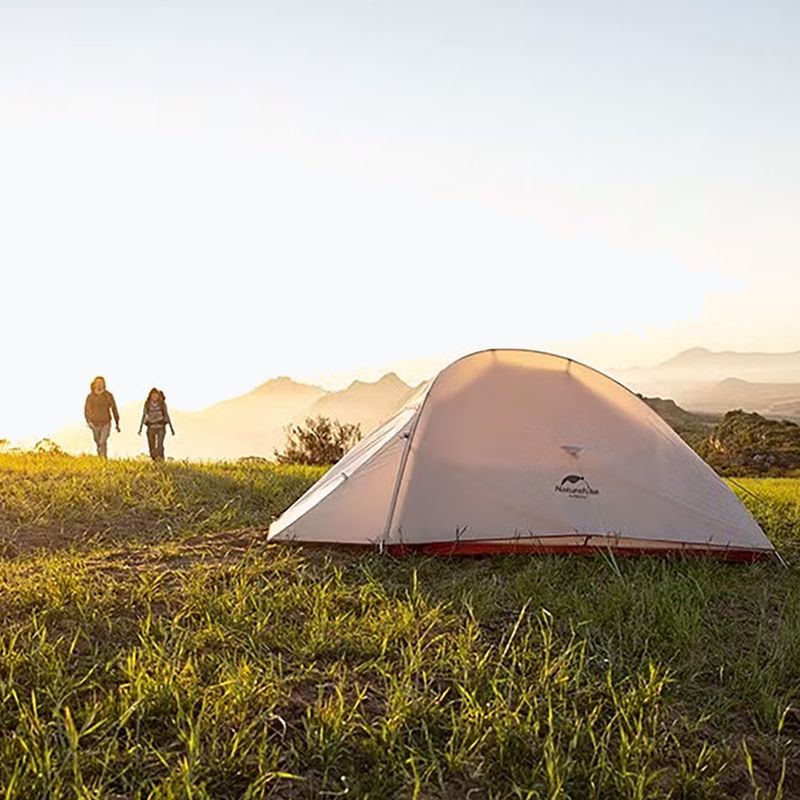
(738, 443)
(173, 654)
(694, 429)
(61, 500)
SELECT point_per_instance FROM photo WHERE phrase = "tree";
(319, 441)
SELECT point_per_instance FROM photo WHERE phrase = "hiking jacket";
(99, 407)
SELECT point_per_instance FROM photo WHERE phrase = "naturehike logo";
(576, 486)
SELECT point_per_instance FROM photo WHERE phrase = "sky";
(203, 195)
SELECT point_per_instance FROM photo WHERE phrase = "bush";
(48, 447)
(319, 441)
(748, 444)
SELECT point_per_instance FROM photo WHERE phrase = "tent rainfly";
(513, 451)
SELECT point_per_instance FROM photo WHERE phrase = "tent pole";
(402, 468)
(396, 491)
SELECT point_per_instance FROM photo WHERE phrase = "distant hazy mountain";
(368, 404)
(704, 380)
(710, 365)
(771, 399)
(251, 424)
(699, 380)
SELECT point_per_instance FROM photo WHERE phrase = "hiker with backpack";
(156, 417)
(97, 411)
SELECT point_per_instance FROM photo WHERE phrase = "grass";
(148, 653)
(54, 500)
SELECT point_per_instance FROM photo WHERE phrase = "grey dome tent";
(520, 451)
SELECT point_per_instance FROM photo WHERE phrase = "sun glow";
(284, 191)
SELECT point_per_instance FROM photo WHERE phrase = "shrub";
(48, 447)
(318, 441)
(748, 444)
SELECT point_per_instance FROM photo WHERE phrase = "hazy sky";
(203, 195)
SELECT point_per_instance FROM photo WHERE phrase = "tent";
(520, 451)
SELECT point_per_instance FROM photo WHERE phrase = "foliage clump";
(48, 447)
(748, 444)
(318, 442)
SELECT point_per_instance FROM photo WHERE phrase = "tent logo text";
(576, 486)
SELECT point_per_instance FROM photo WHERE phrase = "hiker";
(156, 417)
(97, 410)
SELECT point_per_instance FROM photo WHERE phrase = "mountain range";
(714, 382)
(700, 381)
(253, 424)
